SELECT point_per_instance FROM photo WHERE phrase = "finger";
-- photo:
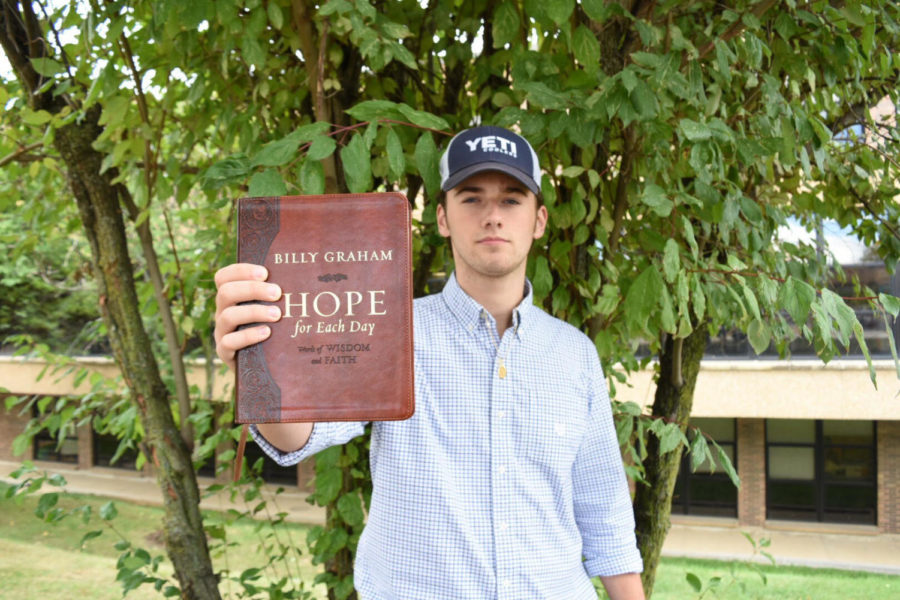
(241, 271)
(232, 317)
(238, 340)
(232, 293)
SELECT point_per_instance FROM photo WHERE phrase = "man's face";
(491, 219)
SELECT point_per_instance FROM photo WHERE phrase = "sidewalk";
(804, 544)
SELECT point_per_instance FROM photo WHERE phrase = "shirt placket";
(502, 467)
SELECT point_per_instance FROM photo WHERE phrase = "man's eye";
(512, 201)
(469, 200)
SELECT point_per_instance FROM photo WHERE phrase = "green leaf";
(45, 503)
(20, 444)
(46, 66)
(699, 451)
(726, 464)
(108, 511)
(227, 170)
(89, 536)
(861, 340)
(760, 335)
(641, 298)
(559, 10)
(36, 117)
(267, 183)
(506, 24)
(751, 300)
(423, 119)
(253, 52)
(350, 508)
(277, 153)
(542, 280)
(670, 438)
(694, 582)
(586, 49)
(796, 297)
(395, 155)
(356, 160)
(671, 260)
(312, 177)
(891, 304)
(322, 147)
(372, 110)
(543, 96)
(688, 231)
(426, 156)
(276, 17)
(655, 197)
(693, 130)
(328, 484)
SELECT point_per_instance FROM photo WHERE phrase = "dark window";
(105, 447)
(708, 490)
(821, 470)
(47, 446)
(272, 472)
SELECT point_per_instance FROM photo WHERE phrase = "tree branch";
(22, 155)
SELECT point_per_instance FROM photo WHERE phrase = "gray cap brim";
(466, 172)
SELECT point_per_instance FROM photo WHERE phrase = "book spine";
(259, 397)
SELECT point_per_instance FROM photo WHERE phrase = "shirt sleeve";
(324, 435)
(603, 509)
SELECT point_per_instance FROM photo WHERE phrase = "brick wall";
(85, 446)
(751, 459)
(11, 425)
(889, 476)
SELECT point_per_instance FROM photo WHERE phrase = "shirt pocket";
(554, 428)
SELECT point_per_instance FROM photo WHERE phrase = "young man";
(507, 482)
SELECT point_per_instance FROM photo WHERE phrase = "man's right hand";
(236, 284)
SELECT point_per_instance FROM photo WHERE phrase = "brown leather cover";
(342, 350)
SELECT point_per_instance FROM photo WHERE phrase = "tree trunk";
(101, 214)
(679, 366)
(104, 226)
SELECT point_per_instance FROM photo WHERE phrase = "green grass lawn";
(46, 561)
(782, 582)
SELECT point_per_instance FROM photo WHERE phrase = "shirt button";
(501, 414)
(501, 469)
(506, 583)
(504, 527)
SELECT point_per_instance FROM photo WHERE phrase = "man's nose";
(493, 216)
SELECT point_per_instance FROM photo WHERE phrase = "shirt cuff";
(627, 560)
(285, 459)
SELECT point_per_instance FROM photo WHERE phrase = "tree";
(677, 139)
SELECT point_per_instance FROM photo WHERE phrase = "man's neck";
(498, 295)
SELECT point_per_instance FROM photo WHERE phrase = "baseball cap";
(489, 148)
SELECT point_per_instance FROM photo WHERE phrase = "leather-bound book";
(342, 350)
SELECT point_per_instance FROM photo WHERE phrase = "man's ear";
(540, 225)
(443, 229)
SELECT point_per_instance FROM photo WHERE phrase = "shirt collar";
(469, 312)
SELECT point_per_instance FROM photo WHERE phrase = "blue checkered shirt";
(506, 488)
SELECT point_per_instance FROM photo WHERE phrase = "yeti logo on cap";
(493, 143)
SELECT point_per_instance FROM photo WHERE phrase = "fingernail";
(274, 312)
(264, 332)
(274, 292)
(260, 273)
